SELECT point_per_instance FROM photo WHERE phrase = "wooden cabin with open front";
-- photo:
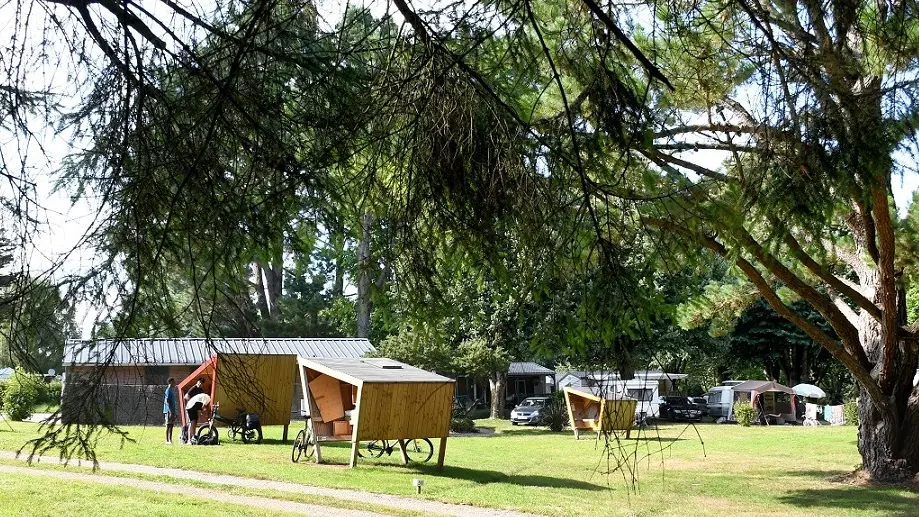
(586, 405)
(359, 400)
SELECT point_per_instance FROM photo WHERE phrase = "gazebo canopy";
(762, 387)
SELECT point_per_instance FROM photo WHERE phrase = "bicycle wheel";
(419, 450)
(298, 446)
(309, 445)
(252, 435)
(376, 448)
(208, 435)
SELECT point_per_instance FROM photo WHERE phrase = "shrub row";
(23, 391)
(20, 395)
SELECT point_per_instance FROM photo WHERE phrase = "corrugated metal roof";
(194, 351)
(528, 368)
(374, 370)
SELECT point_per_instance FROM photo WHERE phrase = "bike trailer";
(253, 421)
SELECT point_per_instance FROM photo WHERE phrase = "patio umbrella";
(810, 391)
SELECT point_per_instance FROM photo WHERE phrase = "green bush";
(462, 425)
(49, 393)
(20, 396)
(554, 415)
(744, 413)
(850, 412)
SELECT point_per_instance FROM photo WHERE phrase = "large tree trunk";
(274, 276)
(363, 278)
(261, 299)
(888, 435)
(888, 443)
(497, 382)
(338, 288)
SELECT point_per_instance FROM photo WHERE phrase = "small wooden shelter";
(375, 399)
(258, 383)
(586, 405)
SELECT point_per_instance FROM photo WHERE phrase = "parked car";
(677, 408)
(528, 411)
(700, 403)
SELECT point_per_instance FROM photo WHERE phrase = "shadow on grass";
(486, 477)
(883, 500)
(275, 441)
(533, 432)
(652, 438)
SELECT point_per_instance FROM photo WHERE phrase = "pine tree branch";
(710, 128)
(856, 363)
(646, 63)
(830, 279)
(846, 331)
(657, 156)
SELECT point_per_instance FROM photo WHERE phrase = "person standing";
(191, 411)
(170, 408)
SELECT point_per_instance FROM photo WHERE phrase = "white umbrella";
(809, 390)
(203, 398)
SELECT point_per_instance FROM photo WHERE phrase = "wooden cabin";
(262, 384)
(359, 400)
(586, 405)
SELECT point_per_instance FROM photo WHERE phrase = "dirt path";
(406, 503)
(263, 503)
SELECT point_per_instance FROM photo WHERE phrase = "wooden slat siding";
(620, 415)
(259, 383)
(394, 411)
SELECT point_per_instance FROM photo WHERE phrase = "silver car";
(528, 411)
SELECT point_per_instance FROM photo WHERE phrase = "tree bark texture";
(498, 385)
(274, 284)
(260, 296)
(338, 288)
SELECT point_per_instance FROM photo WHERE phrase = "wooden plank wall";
(620, 414)
(259, 383)
(405, 410)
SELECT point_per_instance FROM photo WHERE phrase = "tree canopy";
(584, 151)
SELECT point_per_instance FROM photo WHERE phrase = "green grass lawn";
(39, 496)
(731, 471)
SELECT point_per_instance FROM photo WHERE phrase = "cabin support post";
(312, 411)
(401, 443)
(441, 453)
(356, 420)
(284, 437)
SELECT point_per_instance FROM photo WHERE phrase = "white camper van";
(720, 399)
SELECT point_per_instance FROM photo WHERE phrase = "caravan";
(720, 399)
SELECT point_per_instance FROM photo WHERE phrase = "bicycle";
(243, 425)
(207, 434)
(303, 445)
(418, 450)
(247, 426)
